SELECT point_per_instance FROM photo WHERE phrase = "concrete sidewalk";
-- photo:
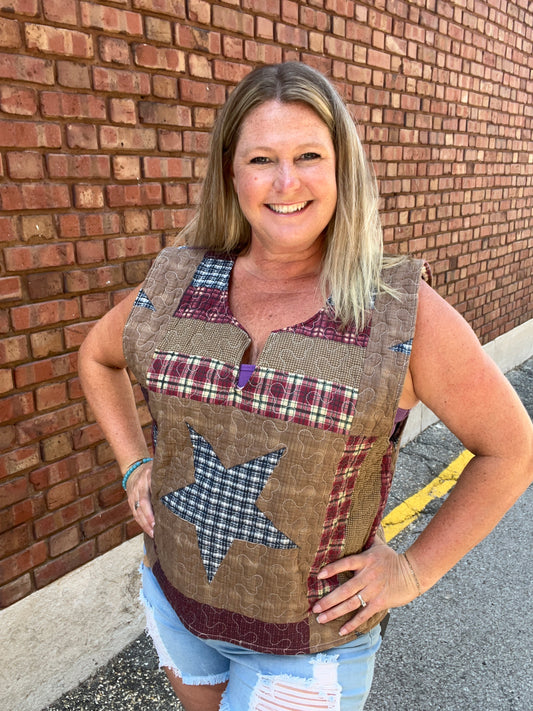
(466, 644)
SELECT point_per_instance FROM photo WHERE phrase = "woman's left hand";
(381, 577)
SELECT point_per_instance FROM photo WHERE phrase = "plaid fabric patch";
(323, 325)
(206, 297)
(404, 347)
(285, 396)
(221, 503)
(340, 499)
(143, 301)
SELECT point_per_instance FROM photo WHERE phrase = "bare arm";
(452, 375)
(107, 387)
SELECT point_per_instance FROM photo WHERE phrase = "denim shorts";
(335, 680)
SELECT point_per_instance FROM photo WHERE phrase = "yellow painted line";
(408, 511)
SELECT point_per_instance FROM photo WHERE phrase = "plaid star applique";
(221, 503)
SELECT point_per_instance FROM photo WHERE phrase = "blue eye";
(309, 156)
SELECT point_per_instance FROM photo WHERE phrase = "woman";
(280, 353)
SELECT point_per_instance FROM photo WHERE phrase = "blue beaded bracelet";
(132, 468)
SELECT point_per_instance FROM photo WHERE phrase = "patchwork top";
(256, 488)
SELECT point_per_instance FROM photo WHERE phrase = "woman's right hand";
(138, 489)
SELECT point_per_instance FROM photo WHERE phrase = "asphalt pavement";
(463, 646)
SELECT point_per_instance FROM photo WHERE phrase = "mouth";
(288, 209)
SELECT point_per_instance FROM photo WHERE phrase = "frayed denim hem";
(165, 660)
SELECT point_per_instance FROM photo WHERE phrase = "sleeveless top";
(256, 488)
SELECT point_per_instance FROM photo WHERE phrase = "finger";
(352, 604)
(144, 516)
(343, 565)
(344, 592)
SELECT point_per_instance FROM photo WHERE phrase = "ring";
(136, 505)
(363, 603)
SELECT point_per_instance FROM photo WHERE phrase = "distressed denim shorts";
(335, 680)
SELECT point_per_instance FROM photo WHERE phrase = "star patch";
(221, 503)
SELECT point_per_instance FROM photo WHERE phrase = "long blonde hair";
(353, 239)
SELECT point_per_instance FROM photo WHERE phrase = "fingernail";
(342, 632)
(321, 618)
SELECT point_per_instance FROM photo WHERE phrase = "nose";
(286, 177)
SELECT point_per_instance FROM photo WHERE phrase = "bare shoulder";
(451, 373)
(104, 340)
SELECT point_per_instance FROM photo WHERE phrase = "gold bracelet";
(413, 573)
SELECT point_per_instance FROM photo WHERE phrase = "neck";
(281, 267)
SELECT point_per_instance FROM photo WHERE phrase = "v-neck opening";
(235, 322)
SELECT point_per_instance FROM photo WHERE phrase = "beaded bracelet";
(413, 573)
(132, 468)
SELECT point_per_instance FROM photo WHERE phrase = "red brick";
(47, 369)
(165, 114)
(146, 55)
(135, 221)
(62, 165)
(123, 247)
(25, 166)
(73, 74)
(21, 68)
(6, 380)
(15, 540)
(18, 564)
(15, 591)
(24, 134)
(18, 100)
(21, 7)
(114, 50)
(123, 111)
(60, 471)
(158, 30)
(101, 521)
(174, 8)
(10, 34)
(293, 36)
(201, 92)
(88, 197)
(232, 20)
(10, 288)
(49, 424)
(20, 459)
(121, 81)
(46, 398)
(16, 406)
(47, 343)
(38, 256)
(61, 566)
(60, 11)
(166, 87)
(95, 305)
(111, 495)
(111, 19)
(56, 103)
(170, 141)
(113, 137)
(126, 167)
(45, 284)
(230, 71)
(167, 167)
(82, 136)
(110, 539)
(128, 195)
(64, 541)
(8, 229)
(13, 491)
(175, 194)
(197, 39)
(262, 53)
(54, 40)
(199, 11)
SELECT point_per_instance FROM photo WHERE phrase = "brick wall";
(105, 112)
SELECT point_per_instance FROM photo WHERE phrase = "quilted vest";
(255, 489)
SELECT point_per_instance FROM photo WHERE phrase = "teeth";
(287, 209)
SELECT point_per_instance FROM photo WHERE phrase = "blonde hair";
(353, 239)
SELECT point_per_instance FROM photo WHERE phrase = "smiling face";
(284, 177)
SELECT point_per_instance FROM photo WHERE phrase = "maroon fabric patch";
(333, 537)
(209, 622)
